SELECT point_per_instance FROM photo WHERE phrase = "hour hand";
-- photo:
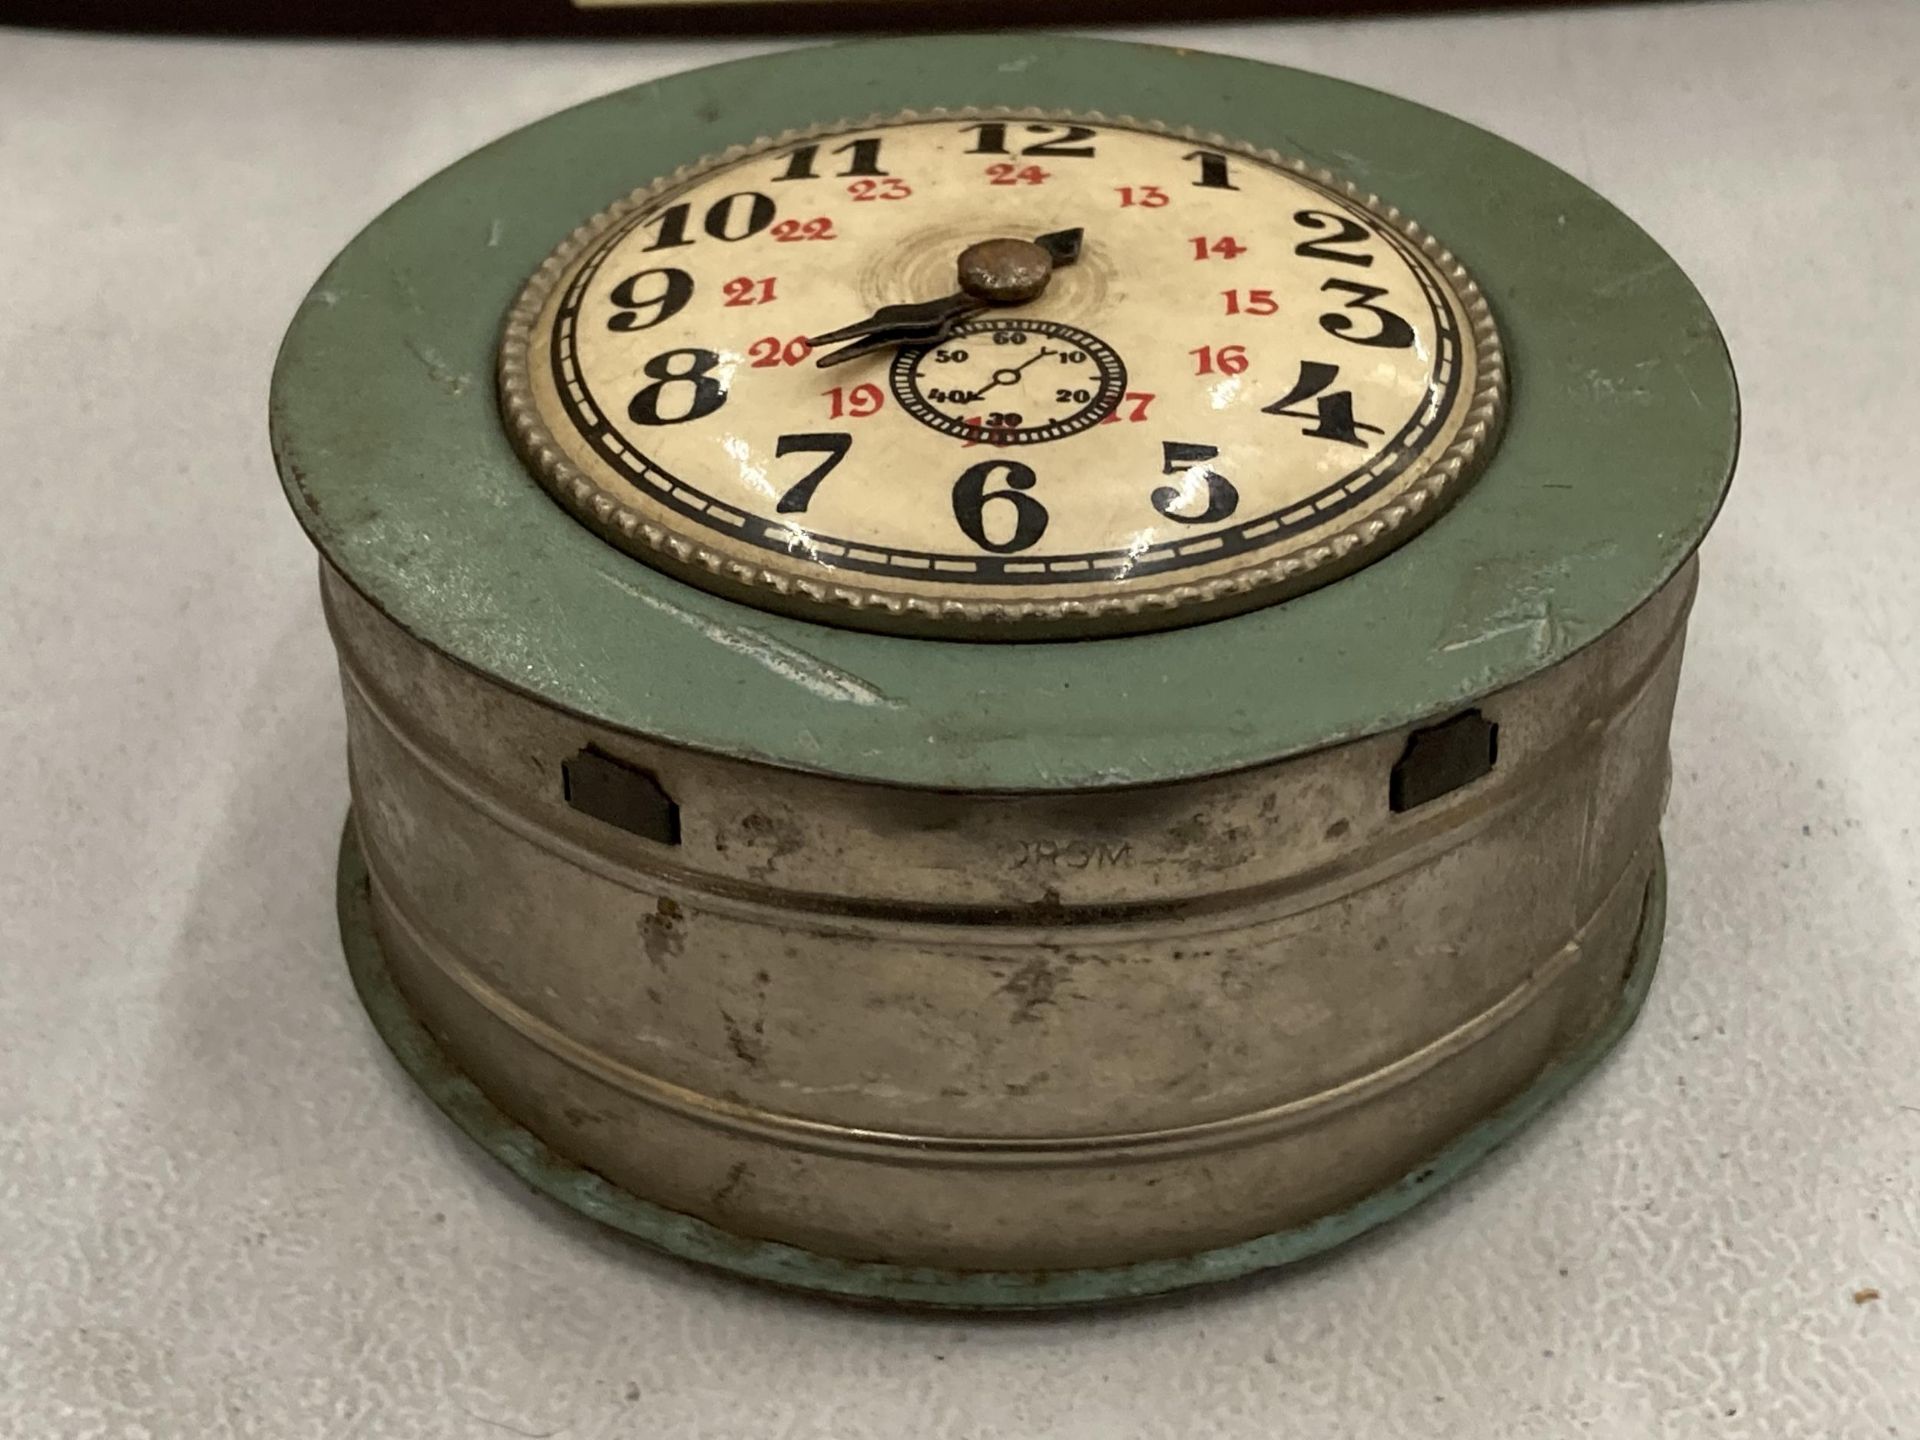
(919, 323)
(991, 272)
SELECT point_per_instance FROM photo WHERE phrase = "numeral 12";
(991, 139)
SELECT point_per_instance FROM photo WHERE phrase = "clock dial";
(1251, 380)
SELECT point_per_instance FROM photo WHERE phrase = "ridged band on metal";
(690, 1238)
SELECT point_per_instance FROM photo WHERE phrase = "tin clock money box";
(1002, 671)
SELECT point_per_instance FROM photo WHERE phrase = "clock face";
(1250, 380)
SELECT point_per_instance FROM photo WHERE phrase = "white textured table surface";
(223, 1212)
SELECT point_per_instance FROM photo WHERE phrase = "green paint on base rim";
(785, 1265)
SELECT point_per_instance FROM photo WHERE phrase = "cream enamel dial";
(1252, 379)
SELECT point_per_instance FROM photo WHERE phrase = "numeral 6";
(971, 498)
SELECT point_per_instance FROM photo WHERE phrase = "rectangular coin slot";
(596, 784)
(1441, 758)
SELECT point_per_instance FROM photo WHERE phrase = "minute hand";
(920, 323)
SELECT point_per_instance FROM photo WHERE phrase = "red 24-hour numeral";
(745, 290)
(820, 227)
(1007, 173)
(770, 350)
(1225, 248)
(1134, 403)
(891, 188)
(1251, 302)
(1147, 197)
(856, 403)
(1224, 360)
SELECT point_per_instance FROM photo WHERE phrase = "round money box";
(1002, 671)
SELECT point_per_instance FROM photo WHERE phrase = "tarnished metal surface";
(691, 1238)
(943, 1029)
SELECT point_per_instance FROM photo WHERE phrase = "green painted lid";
(1620, 441)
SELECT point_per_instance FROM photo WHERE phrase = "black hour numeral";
(1213, 170)
(1394, 333)
(800, 165)
(971, 497)
(1219, 498)
(832, 444)
(670, 371)
(731, 217)
(675, 289)
(1346, 232)
(1332, 410)
(1064, 146)
(863, 159)
(672, 223)
(990, 138)
(722, 215)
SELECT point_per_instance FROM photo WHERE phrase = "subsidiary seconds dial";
(1242, 378)
(1011, 381)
